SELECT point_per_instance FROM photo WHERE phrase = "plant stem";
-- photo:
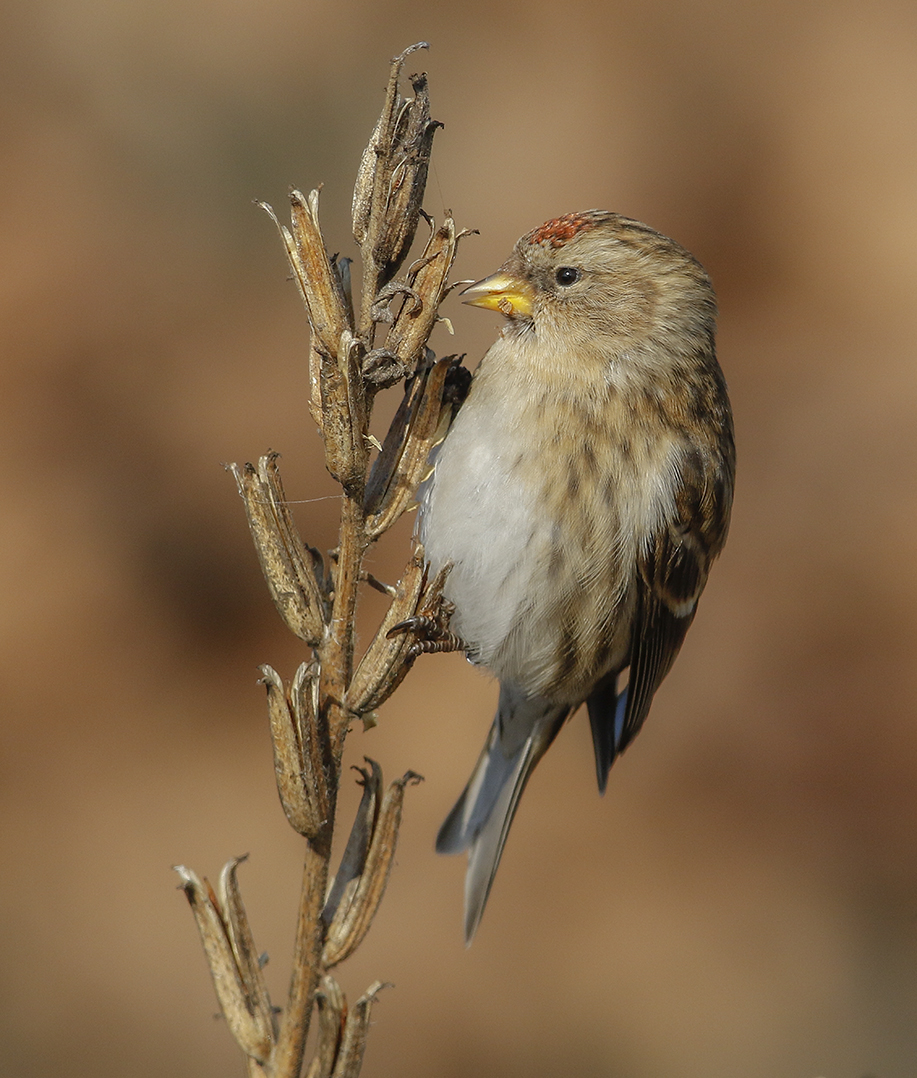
(337, 649)
(307, 967)
(336, 654)
(309, 721)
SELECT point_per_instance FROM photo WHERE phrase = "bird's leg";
(431, 632)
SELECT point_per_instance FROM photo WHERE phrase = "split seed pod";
(393, 173)
(301, 749)
(289, 566)
(230, 950)
(366, 865)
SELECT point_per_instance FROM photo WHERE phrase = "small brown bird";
(581, 496)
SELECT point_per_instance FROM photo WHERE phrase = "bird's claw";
(432, 634)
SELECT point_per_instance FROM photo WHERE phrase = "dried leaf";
(382, 369)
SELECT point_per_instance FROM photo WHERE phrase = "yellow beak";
(501, 292)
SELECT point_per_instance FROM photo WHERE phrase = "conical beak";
(501, 292)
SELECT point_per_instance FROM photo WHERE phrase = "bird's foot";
(431, 632)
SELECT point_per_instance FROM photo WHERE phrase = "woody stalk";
(317, 595)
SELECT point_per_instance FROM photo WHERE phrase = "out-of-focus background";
(743, 901)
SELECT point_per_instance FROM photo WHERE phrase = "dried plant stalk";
(317, 600)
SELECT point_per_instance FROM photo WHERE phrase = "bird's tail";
(523, 729)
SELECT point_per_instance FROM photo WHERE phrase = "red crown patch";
(562, 229)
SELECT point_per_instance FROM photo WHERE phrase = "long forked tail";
(480, 821)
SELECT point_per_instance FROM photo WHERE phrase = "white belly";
(477, 515)
(543, 571)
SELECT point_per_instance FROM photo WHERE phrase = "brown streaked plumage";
(581, 496)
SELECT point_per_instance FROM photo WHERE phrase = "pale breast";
(540, 500)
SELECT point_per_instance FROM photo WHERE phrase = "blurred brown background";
(744, 899)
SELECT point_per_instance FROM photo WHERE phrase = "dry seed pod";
(431, 612)
(230, 955)
(385, 661)
(341, 268)
(426, 282)
(393, 174)
(322, 286)
(399, 469)
(319, 281)
(300, 749)
(353, 1042)
(355, 914)
(369, 189)
(354, 857)
(288, 565)
(411, 148)
(332, 1012)
(344, 413)
(243, 944)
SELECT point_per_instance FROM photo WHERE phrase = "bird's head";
(599, 278)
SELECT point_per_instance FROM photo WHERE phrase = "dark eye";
(567, 275)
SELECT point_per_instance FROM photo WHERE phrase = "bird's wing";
(672, 570)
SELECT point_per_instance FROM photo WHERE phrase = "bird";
(579, 498)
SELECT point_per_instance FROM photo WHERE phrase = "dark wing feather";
(658, 635)
(604, 704)
(671, 573)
